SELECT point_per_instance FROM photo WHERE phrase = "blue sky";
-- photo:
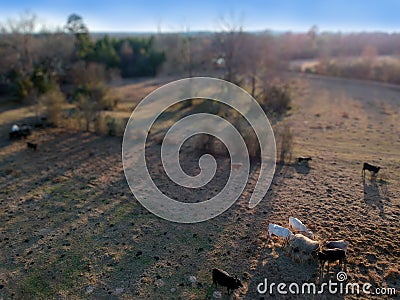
(142, 15)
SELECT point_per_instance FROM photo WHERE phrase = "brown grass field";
(70, 228)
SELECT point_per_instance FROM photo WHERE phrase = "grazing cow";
(304, 159)
(26, 129)
(280, 231)
(298, 227)
(371, 168)
(31, 145)
(304, 243)
(340, 244)
(224, 279)
(38, 125)
(22, 131)
(18, 134)
(302, 248)
(14, 135)
(331, 255)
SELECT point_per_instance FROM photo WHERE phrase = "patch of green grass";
(123, 213)
(72, 192)
(199, 242)
(36, 285)
(44, 283)
(73, 266)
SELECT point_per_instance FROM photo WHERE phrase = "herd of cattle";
(23, 131)
(299, 243)
(298, 240)
(300, 246)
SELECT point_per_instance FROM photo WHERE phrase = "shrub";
(100, 124)
(24, 87)
(108, 100)
(116, 126)
(93, 97)
(73, 120)
(53, 101)
(84, 74)
(275, 98)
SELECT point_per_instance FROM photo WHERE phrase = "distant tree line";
(132, 56)
(33, 63)
(70, 64)
(50, 68)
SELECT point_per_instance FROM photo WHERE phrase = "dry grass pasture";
(70, 227)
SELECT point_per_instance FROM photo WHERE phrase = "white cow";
(280, 231)
(297, 226)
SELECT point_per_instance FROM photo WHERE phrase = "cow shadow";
(275, 266)
(302, 168)
(372, 195)
(330, 270)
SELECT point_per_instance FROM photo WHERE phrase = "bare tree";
(369, 54)
(196, 53)
(187, 52)
(229, 43)
(254, 61)
(16, 43)
(170, 44)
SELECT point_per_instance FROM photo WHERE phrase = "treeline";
(367, 56)
(384, 70)
(71, 65)
(315, 44)
(133, 57)
(250, 59)
(34, 63)
(65, 74)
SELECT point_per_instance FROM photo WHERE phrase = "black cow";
(31, 145)
(304, 159)
(24, 131)
(18, 134)
(224, 279)
(331, 255)
(370, 168)
(14, 134)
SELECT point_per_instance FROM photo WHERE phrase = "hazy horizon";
(181, 16)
